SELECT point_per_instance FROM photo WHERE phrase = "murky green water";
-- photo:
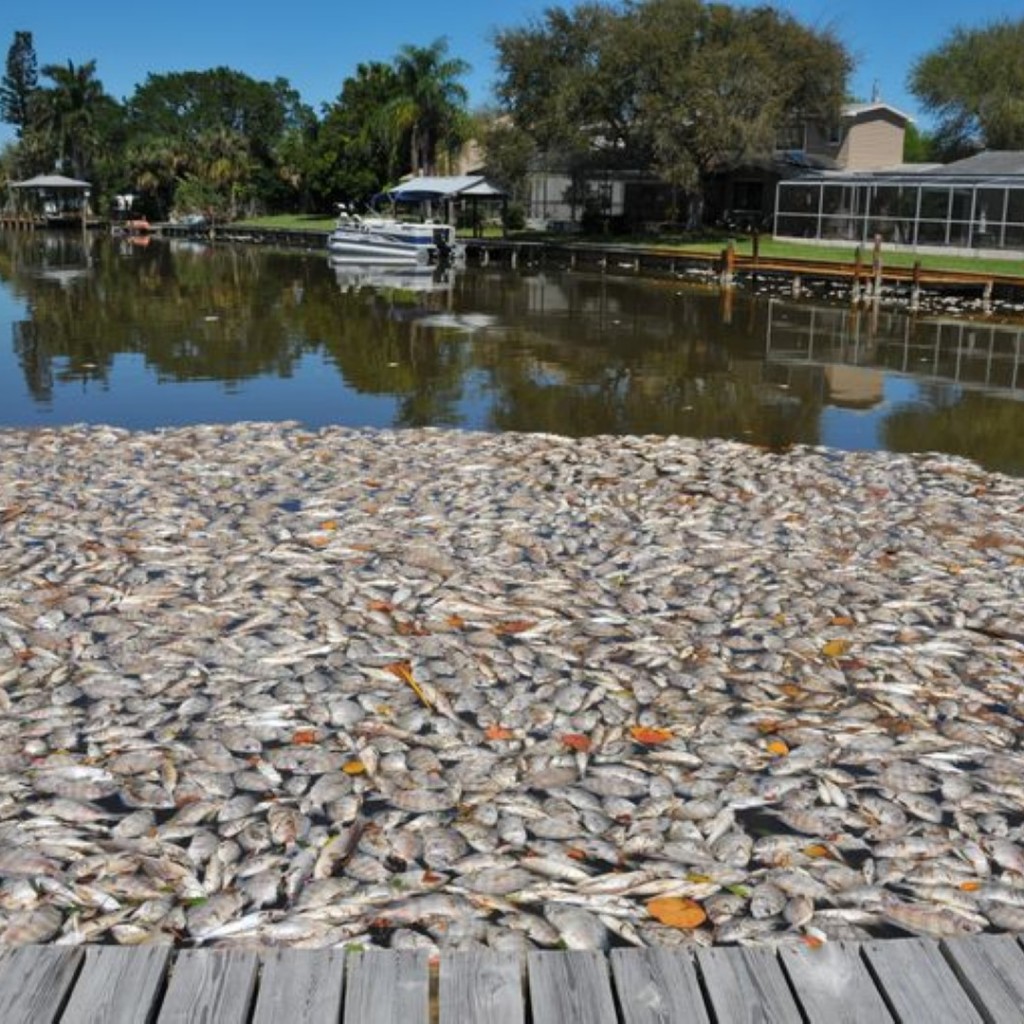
(173, 333)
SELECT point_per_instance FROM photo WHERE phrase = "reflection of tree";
(34, 360)
(596, 355)
(972, 424)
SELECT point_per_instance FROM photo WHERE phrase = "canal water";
(158, 333)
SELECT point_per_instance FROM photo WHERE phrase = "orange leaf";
(455, 621)
(513, 626)
(778, 747)
(835, 648)
(677, 911)
(329, 524)
(791, 689)
(305, 736)
(842, 620)
(812, 941)
(498, 732)
(650, 736)
(817, 850)
(576, 741)
(381, 606)
(354, 768)
(575, 853)
(970, 886)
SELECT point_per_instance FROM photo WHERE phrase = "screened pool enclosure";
(916, 210)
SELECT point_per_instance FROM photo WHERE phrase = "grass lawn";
(768, 247)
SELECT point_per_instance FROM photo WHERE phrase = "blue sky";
(317, 44)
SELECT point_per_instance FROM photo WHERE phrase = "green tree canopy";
(20, 81)
(687, 86)
(974, 85)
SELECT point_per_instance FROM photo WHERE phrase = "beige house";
(868, 137)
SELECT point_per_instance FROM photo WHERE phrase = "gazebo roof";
(51, 181)
(444, 187)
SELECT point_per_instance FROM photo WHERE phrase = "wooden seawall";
(912, 981)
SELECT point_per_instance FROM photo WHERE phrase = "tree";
(70, 112)
(974, 84)
(431, 105)
(687, 87)
(19, 82)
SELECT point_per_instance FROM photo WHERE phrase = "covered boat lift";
(48, 200)
(445, 191)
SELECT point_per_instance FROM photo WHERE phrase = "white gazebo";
(446, 190)
(52, 199)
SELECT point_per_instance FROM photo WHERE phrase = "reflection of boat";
(415, 277)
(386, 241)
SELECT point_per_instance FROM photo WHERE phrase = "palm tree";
(431, 106)
(70, 111)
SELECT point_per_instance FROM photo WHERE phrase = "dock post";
(797, 286)
(876, 267)
(728, 264)
(915, 288)
(986, 298)
(515, 257)
(855, 290)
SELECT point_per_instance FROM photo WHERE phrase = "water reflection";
(162, 334)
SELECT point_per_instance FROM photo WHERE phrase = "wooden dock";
(962, 981)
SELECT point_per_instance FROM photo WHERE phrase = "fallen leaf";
(513, 626)
(381, 606)
(812, 941)
(677, 911)
(818, 850)
(778, 747)
(498, 732)
(835, 648)
(576, 741)
(842, 620)
(455, 622)
(329, 524)
(791, 690)
(305, 736)
(650, 735)
(354, 768)
(970, 886)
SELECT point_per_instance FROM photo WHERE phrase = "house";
(974, 206)
(866, 136)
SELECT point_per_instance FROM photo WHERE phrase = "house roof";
(991, 161)
(51, 181)
(856, 109)
(444, 187)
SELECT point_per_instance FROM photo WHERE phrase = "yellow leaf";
(818, 850)
(778, 747)
(835, 648)
(329, 524)
(677, 911)
(354, 768)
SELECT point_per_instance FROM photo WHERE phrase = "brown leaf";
(305, 736)
(677, 911)
(513, 626)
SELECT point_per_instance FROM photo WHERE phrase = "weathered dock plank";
(919, 984)
(481, 986)
(35, 982)
(387, 987)
(657, 986)
(300, 986)
(833, 984)
(991, 970)
(747, 985)
(210, 985)
(117, 985)
(570, 988)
